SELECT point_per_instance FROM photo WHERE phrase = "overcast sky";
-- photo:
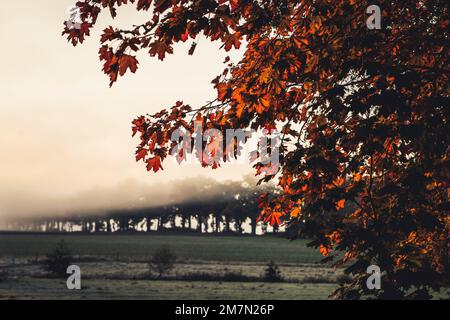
(63, 131)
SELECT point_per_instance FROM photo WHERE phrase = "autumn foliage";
(363, 113)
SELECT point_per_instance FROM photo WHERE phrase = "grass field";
(31, 288)
(186, 247)
(114, 267)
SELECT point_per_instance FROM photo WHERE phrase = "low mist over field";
(19, 204)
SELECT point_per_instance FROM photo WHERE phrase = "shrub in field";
(272, 273)
(162, 261)
(58, 259)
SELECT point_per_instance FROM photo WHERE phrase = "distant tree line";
(236, 212)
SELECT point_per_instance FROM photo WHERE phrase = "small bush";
(58, 260)
(162, 261)
(272, 273)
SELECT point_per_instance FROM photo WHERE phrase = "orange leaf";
(339, 181)
(240, 109)
(154, 164)
(340, 204)
(222, 91)
(141, 154)
(127, 62)
(273, 218)
(295, 212)
(324, 250)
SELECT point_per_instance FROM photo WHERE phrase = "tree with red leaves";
(363, 113)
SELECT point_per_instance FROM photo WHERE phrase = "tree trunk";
(253, 223)
(160, 223)
(216, 223)
(98, 224)
(227, 223)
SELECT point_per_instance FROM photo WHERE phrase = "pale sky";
(63, 131)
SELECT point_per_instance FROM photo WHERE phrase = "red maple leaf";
(154, 164)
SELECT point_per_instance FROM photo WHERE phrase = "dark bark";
(253, 225)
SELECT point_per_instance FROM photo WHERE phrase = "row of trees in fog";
(236, 211)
